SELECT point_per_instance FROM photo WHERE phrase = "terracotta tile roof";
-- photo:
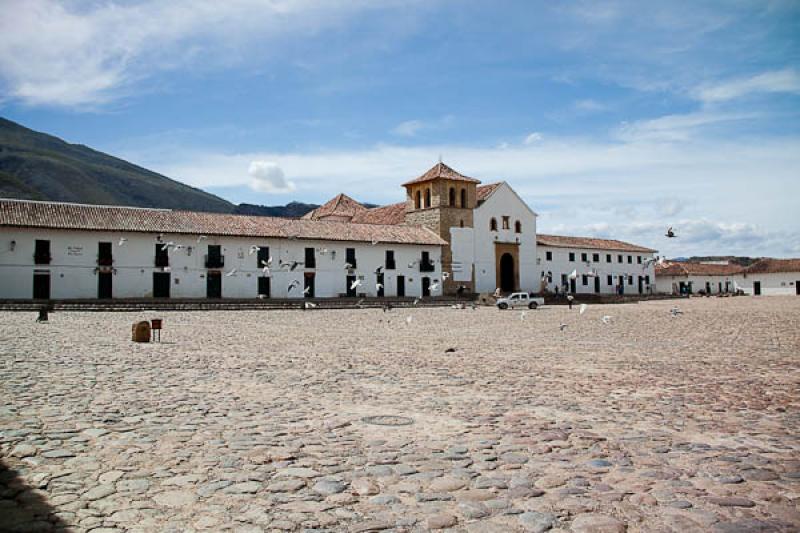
(589, 243)
(769, 266)
(387, 214)
(685, 268)
(440, 170)
(485, 191)
(25, 213)
(340, 205)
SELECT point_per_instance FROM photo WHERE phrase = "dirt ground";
(482, 420)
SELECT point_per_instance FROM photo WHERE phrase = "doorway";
(104, 285)
(797, 287)
(351, 291)
(308, 284)
(214, 284)
(641, 285)
(573, 286)
(264, 287)
(401, 286)
(161, 284)
(757, 288)
(380, 287)
(41, 285)
(426, 287)
(507, 278)
(597, 284)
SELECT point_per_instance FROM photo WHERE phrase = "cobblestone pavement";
(254, 421)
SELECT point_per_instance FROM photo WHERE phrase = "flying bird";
(355, 284)
(573, 274)
(231, 273)
(415, 302)
(293, 284)
(582, 309)
(307, 290)
(670, 234)
(435, 286)
(309, 305)
(379, 269)
(675, 311)
(122, 240)
(374, 242)
(562, 326)
(522, 316)
(254, 249)
(348, 266)
(166, 245)
(606, 319)
(378, 286)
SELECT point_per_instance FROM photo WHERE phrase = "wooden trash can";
(141, 331)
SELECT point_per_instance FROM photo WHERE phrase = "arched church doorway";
(507, 277)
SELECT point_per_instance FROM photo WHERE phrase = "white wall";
(560, 264)
(772, 284)
(504, 202)
(671, 284)
(74, 254)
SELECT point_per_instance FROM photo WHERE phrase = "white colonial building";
(583, 265)
(71, 251)
(768, 277)
(450, 235)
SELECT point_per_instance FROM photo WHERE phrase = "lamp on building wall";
(12, 245)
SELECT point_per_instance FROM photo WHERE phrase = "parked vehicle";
(519, 299)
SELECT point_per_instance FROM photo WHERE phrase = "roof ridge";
(104, 206)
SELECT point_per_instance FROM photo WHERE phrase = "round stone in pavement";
(731, 501)
(597, 523)
(175, 498)
(442, 521)
(537, 522)
(328, 487)
(474, 510)
(599, 463)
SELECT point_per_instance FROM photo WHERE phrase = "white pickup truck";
(519, 299)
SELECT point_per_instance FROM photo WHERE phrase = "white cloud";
(778, 81)
(533, 138)
(679, 127)
(590, 106)
(73, 54)
(408, 128)
(269, 177)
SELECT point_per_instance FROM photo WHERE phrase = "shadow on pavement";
(23, 508)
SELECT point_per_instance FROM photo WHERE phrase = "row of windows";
(506, 224)
(215, 259)
(610, 279)
(418, 203)
(596, 258)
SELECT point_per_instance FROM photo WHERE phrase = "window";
(647, 280)
(630, 280)
(596, 258)
(350, 257)
(463, 197)
(162, 255)
(214, 258)
(630, 259)
(572, 256)
(619, 259)
(453, 196)
(104, 254)
(418, 200)
(427, 197)
(610, 280)
(548, 256)
(517, 227)
(639, 259)
(608, 258)
(262, 258)
(563, 280)
(584, 257)
(310, 259)
(506, 222)
(585, 279)
(493, 224)
(425, 264)
(390, 265)
(41, 252)
(461, 223)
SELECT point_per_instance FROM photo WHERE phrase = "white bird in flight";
(435, 286)
(573, 275)
(293, 284)
(166, 245)
(254, 249)
(122, 240)
(606, 319)
(231, 273)
(307, 290)
(355, 284)
(583, 309)
(310, 305)
(348, 266)
(378, 286)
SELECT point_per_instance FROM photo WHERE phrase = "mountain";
(290, 210)
(37, 166)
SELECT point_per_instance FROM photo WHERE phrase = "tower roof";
(340, 205)
(440, 170)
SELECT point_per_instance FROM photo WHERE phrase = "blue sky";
(612, 119)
